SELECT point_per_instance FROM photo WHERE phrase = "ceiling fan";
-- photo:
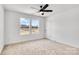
(43, 8)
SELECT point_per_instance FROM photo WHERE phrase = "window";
(35, 26)
(24, 26)
(28, 26)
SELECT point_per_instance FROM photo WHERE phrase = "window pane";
(35, 26)
(24, 26)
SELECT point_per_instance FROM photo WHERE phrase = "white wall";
(12, 27)
(1, 27)
(64, 27)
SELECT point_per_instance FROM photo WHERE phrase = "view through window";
(24, 26)
(35, 26)
(28, 26)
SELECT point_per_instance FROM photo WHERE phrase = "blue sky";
(23, 21)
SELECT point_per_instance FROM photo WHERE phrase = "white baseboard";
(20, 41)
(65, 42)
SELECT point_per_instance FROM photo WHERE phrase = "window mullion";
(30, 26)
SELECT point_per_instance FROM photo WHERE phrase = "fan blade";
(34, 8)
(45, 6)
(47, 10)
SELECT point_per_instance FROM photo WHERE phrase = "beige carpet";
(40, 47)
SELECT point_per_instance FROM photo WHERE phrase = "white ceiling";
(27, 8)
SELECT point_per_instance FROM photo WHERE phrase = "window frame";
(30, 27)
